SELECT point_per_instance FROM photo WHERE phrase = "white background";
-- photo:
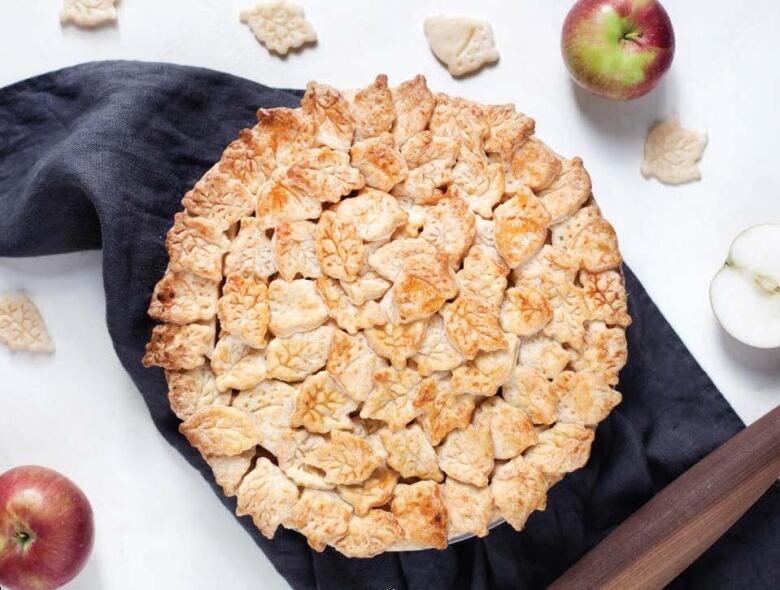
(158, 525)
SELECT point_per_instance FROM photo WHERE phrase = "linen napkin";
(99, 156)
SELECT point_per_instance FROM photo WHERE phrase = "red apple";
(46, 529)
(619, 49)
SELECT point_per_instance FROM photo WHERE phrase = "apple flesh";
(46, 529)
(619, 49)
(745, 293)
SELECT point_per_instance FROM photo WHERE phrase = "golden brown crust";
(409, 288)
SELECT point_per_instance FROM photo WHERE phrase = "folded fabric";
(99, 155)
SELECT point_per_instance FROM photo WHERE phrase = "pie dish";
(390, 318)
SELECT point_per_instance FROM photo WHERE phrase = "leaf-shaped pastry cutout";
(398, 397)
(463, 44)
(289, 131)
(177, 347)
(533, 164)
(467, 455)
(370, 535)
(293, 250)
(562, 449)
(220, 198)
(569, 315)
(197, 245)
(605, 352)
(672, 152)
(296, 357)
(250, 252)
(374, 491)
(468, 508)
(237, 365)
(430, 160)
(349, 317)
(410, 453)
(379, 161)
(567, 192)
(266, 495)
(375, 214)
(322, 406)
(445, 412)
(189, 391)
(346, 459)
(450, 227)
(220, 430)
(483, 275)
(435, 352)
(420, 509)
(471, 324)
(243, 309)
(322, 517)
(280, 25)
(295, 307)
(518, 489)
(530, 391)
(422, 287)
(88, 13)
(326, 106)
(325, 174)
(339, 247)
(229, 470)
(352, 363)
(414, 104)
(280, 200)
(397, 342)
(605, 297)
(183, 298)
(525, 311)
(511, 430)
(584, 398)
(508, 129)
(248, 159)
(21, 325)
(373, 110)
(270, 403)
(521, 227)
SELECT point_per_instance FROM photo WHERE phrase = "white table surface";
(158, 524)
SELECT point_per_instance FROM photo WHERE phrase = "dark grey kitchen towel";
(99, 156)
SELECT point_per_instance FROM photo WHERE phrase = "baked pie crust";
(390, 318)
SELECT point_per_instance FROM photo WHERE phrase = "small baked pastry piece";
(583, 398)
(462, 119)
(521, 227)
(410, 453)
(219, 198)
(266, 495)
(507, 129)
(397, 342)
(249, 160)
(349, 317)
(372, 109)
(321, 405)
(338, 246)
(420, 509)
(249, 253)
(414, 104)
(346, 459)
(551, 266)
(189, 391)
(605, 297)
(469, 508)
(397, 397)
(389, 259)
(379, 161)
(533, 165)
(177, 348)
(545, 354)
(289, 131)
(435, 352)
(467, 455)
(569, 314)
(370, 535)
(604, 353)
(229, 470)
(373, 492)
(197, 245)
(296, 357)
(279, 25)
(280, 199)
(236, 365)
(471, 325)
(445, 412)
(518, 488)
(483, 275)
(324, 174)
(526, 310)
(530, 391)
(220, 430)
(184, 298)
(295, 307)
(450, 228)
(322, 517)
(478, 181)
(335, 127)
(293, 448)
(351, 363)
(430, 160)
(590, 238)
(243, 309)
(511, 430)
(561, 449)
(568, 192)
(424, 284)
(488, 371)
(375, 214)
(270, 403)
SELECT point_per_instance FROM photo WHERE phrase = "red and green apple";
(618, 49)
(46, 529)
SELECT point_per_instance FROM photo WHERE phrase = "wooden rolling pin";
(668, 533)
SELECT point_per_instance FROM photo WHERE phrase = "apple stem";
(632, 36)
(23, 538)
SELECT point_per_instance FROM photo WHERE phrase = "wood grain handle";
(668, 533)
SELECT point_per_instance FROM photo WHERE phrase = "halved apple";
(745, 293)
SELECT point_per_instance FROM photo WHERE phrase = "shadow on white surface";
(90, 578)
(763, 362)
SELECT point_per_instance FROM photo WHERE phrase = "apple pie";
(390, 318)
